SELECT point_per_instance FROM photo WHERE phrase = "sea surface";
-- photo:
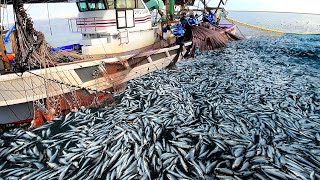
(60, 33)
(288, 22)
(247, 111)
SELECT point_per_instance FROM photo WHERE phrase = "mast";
(169, 10)
(167, 2)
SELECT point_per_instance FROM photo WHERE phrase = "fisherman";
(183, 19)
(210, 17)
(7, 62)
(187, 28)
(178, 30)
(121, 4)
(192, 21)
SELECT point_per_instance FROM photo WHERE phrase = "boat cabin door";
(124, 13)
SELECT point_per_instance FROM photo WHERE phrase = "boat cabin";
(114, 26)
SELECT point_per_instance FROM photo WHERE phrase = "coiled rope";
(270, 30)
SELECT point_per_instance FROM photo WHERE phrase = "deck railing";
(81, 25)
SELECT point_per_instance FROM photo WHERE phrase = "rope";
(270, 30)
(66, 84)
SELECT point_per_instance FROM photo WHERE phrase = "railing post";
(95, 24)
(84, 25)
(77, 24)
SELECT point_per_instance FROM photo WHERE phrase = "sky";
(69, 10)
(40, 11)
(301, 6)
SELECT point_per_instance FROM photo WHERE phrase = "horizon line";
(276, 12)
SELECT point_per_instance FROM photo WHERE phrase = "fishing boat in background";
(120, 41)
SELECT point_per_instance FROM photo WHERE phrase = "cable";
(270, 30)
(49, 19)
(70, 85)
(241, 32)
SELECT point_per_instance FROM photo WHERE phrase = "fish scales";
(219, 116)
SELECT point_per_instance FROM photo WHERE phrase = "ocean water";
(60, 33)
(288, 22)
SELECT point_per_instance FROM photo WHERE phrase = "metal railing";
(80, 25)
(123, 36)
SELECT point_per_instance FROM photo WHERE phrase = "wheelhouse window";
(91, 5)
(126, 4)
(110, 4)
(140, 4)
(83, 6)
(96, 4)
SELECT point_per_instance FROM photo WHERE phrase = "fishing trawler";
(120, 42)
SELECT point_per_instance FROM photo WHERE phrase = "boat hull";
(16, 113)
(18, 93)
(232, 29)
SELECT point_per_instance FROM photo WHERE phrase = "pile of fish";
(234, 113)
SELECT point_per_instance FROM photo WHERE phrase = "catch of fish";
(233, 113)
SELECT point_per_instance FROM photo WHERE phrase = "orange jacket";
(9, 56)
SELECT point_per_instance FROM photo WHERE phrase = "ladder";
(124, 36)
